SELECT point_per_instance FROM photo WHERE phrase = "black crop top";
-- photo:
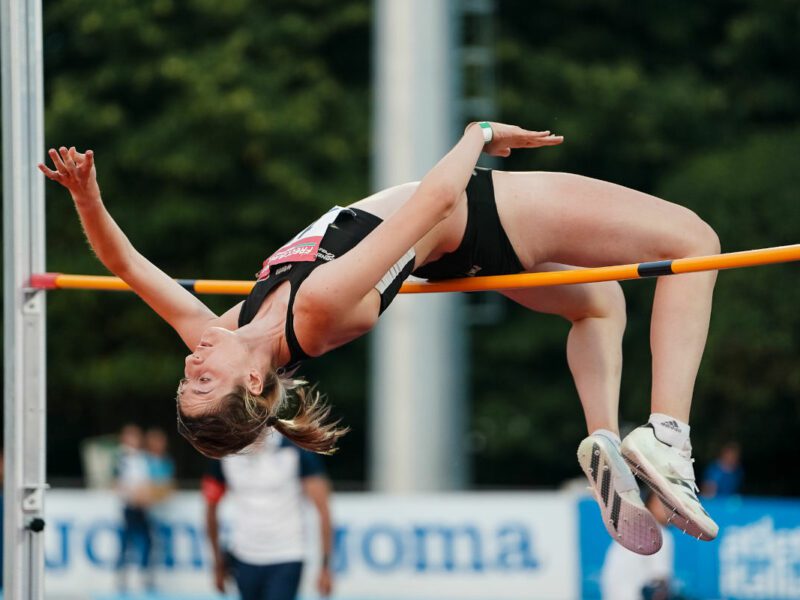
(334, 234)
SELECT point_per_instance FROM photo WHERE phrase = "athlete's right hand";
(75, 171)
(508, 137)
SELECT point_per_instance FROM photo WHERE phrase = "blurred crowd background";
(222, 128)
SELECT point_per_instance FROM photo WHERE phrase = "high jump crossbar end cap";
(44, 281)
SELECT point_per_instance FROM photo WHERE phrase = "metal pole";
(24, 311)
(417, 395)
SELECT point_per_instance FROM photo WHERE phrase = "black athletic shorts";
(485, 249)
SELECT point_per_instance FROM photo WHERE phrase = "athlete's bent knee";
(699, 238)
(614, 301)
(604, 300)
(708, 239)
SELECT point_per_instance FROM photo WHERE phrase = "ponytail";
(309, 428)
(241, 419)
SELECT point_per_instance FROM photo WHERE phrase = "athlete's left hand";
(508, 137)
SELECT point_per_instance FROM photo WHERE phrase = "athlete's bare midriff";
(444, 237)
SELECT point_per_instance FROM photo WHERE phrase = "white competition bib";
(304, 246)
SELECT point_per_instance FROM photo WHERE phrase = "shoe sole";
(680, 518)
(625, 517)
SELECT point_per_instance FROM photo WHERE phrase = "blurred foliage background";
(221, 128)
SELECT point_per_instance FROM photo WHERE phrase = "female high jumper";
(330, 283)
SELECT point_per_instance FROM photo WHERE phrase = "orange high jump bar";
(731, 260)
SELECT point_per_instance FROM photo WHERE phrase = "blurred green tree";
(219, 129)
(696, 103)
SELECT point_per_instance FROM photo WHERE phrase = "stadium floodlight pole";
(24, 310)
(417, 393)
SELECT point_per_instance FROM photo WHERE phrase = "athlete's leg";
(594, 344)
(594, 354)
(563, 218)
(576, 220)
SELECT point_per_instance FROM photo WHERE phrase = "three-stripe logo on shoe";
(690, 488)
(605, 486)
(615, 510)
(605, 489)
(683, 483)
(671, 425)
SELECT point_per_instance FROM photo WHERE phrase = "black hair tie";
(271, 420)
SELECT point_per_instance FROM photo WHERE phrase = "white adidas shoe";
(614, 487)
(669, 473)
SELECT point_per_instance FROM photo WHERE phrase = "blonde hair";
(241, 419)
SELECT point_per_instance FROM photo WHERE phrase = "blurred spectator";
(161, 466)
(133, 484)
(266, 547)
(630, 576)
(724, 476)
(162, 480)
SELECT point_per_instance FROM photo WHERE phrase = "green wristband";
(486, 129)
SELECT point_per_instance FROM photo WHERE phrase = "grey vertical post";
(417, 392)
(24, 313)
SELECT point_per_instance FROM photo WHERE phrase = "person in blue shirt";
(144, 475)
(160, 464)
(724, 476)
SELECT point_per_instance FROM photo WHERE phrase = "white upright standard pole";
(417, 391)
(24, 312)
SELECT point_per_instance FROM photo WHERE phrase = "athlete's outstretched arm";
(183, 311)
(347, 280)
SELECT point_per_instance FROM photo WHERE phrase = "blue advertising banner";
(464, 546)
(756, 556)
(480, 546)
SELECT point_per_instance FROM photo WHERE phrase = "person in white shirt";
(266, 550)
(627, 575)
